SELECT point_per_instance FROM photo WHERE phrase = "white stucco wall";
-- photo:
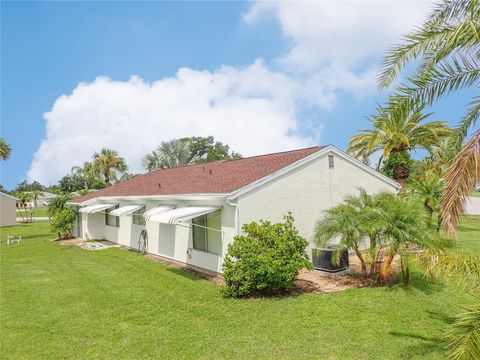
(307, 192)
(8, 210)
(170, 241)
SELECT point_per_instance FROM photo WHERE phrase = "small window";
(206, 230)
(331, 162)
(111, 220)
(137, 217)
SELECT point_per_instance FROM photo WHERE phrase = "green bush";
(62, 223)
(265, 260)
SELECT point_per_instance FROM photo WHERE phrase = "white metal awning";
(126, 210)
(156, 210)
(183, 214)
(96, 208)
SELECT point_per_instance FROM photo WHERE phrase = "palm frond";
(440, 80)
(460, 178)
(464, 334)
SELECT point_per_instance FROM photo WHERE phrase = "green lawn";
(39, 211)
(61, 302)
(475, 193)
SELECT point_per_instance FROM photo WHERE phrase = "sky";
(259, 76)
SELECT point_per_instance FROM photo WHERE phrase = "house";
(8, 210)
(42, 199)
(191, 213)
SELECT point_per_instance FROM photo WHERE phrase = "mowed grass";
(62, 302)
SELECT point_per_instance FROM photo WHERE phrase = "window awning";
(156, 210)
(183, 214)
(126, 210)
(96, 208)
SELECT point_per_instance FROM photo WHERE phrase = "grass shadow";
(420, 282)
(426, 346)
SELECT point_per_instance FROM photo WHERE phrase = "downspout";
(237, 219)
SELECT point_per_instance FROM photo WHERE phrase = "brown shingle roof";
(211, 178)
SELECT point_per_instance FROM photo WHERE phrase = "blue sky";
(260, 77)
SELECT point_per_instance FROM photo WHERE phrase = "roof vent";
(159, 185)
(210, 171)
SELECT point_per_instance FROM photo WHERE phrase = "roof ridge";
(243, 158)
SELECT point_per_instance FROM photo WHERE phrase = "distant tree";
(25, 212)
(127, 176)
(70, 183)
(5, 150)
(206, 149)
(2, 189)
(109, 163)
(25, 186)
(169, 154)
(88, 172)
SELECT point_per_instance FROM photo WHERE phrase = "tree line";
(107, 167)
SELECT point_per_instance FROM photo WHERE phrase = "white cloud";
(251, 109)
(337, 45)
(334, 46)
(341, 33)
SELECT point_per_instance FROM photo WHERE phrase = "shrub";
(62, 223)
(266, 259)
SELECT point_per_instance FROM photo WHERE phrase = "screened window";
(137, 217)
(207, 234)
(111, 220)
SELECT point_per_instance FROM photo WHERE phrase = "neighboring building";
(42, 200)
(8, 210)
(191, 213)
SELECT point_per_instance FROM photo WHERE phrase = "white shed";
(8, 210)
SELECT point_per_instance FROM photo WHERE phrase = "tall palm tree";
(5, 150)
(108, 163)
(394, 132)
(169, 154)
(447, 48)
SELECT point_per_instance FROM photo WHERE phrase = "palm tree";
(404, 223)
(396, 131)
(169, 154)
(108, 163)
(343, 222)
(446, 47)
(464, 334)
(5, 150)
(87, 172)
(429, 188)
(389, 224)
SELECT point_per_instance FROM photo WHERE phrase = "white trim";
(182, 214)
(96, 208)
(285, 170)
(156, 210)
(126, 210)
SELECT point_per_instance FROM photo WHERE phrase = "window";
(207, 234)
(331, 162)
(137, 217)
(111, 220)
